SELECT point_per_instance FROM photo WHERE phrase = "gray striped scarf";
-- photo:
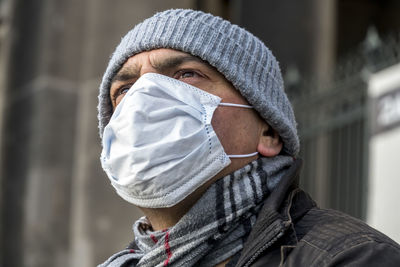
(214, 229)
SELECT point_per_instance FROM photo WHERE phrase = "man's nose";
(147, 68)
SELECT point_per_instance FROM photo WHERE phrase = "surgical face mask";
(159, 145)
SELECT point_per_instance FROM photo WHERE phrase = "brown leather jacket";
(292, 231)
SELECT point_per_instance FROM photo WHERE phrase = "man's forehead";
(162, 60)
(159, 59)
(157, 54)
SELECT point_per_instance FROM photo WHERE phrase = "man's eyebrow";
(129, 73)
(125, 74)
(174, 61)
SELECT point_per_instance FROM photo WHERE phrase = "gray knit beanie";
(240, 56)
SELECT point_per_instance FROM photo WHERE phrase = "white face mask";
(159, 145)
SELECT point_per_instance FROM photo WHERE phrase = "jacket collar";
(285, 205)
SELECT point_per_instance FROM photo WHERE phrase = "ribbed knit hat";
(236, 53)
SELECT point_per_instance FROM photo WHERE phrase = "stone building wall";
(57, 207)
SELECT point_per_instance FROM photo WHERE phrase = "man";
(198, 133)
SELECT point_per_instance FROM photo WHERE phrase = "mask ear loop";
(243, 156)
(235, 105)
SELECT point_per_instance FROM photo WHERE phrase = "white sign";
(383, 211)
(386, 111)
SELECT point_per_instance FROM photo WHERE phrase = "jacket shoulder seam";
(314, 246)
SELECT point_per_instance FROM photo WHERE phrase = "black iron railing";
(333, 126)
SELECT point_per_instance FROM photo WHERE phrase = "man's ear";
(270, 144)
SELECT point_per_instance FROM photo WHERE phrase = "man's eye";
(123, 90)
(185, 74)
(120, 93)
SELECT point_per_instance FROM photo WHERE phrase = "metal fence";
(333, 126)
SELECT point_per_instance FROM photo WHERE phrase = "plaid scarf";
(214, 229)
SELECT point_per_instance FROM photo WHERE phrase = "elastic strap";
(243, 155)
(235, 105)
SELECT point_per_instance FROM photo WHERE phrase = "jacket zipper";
(263, 248)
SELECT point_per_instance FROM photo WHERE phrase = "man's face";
(238, 129)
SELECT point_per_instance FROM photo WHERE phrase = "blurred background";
(340, 61)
